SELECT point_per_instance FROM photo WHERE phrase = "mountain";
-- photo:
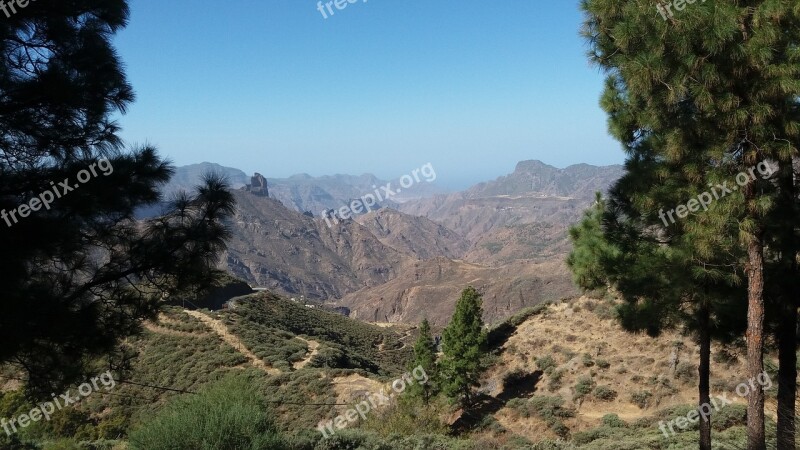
(523, 215)
(187, 177)
(506, 237)
(429, 289)
(317, 194)
(305, 193)
(278, 248)
(414, 236)
(535, 178)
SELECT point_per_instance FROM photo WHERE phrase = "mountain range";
(409, 259)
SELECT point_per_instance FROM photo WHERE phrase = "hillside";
(387, 266)
(523, 215)
(568, 370)
(293, 353)
(291, 253)
(429, 289)
(562, 376)
(414, 236)
(187, 177)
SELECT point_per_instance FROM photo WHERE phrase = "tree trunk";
(705, 373)
(787, 377)
(755, 342)
(787, 326)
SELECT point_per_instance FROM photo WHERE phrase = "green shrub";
(641, 398)
(723, 356)
(583, 387)
(549, 409)
(686, 372)
(729, 416)
(587, 360)
(606, 311)
(409, 416)
(555, 380)
(613, 421)
(603, 364)
(230, 415)
(604, 393)
(545, 362)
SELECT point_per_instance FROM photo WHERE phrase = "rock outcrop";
(258, 185)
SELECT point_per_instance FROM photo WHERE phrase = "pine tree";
(659, 277)
(81, 274)
(714, 89)
(425, 357)
(783, 283)
(592, 254)
(463, 344)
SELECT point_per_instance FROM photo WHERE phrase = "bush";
(603, 364)
(583, 387)
(686, 372)
(555, 380)
(613, 421)
(587, 360)
(408, 416)
(604, 393)
(730, 416)
(641, 398)
(549, 409)
(231, 415)
(545, 362)
(724, 356)
(606, 311)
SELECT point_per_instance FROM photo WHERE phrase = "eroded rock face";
(258, 185)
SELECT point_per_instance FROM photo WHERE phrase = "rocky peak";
(258, 185)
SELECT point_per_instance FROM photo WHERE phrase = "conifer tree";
(80, 274)
(659, 277)
(425, 357)
(783, 288)
(463, 341)
(714, 88)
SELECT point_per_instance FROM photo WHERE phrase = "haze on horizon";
(377, 88)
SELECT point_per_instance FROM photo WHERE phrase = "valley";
(400, 264)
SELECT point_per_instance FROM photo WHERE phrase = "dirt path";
(402, 339)
(233, 341)
(313, 347)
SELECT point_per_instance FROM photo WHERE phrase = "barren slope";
(430, 289)
(290, 253)
(414, 236)
(578, 342)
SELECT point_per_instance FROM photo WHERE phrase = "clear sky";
(382, 86)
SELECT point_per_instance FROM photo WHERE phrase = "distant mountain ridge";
(537, 178)
(523, 215)
(508, 237)
(302, 192)
(188, 177)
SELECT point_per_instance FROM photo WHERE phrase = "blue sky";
(383, 86)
